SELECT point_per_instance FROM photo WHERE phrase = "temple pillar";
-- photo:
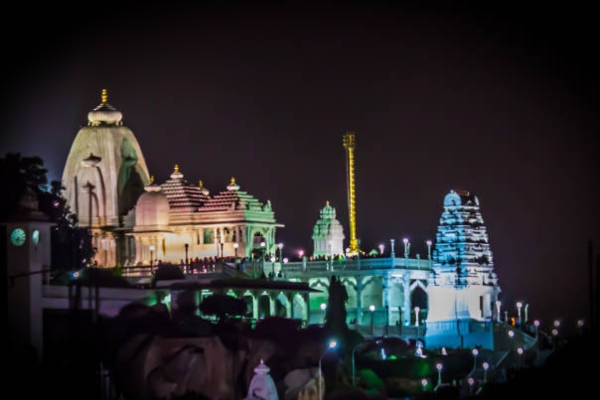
(406, 305)
(359, 289)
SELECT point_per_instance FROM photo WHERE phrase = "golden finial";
(104, 96)
(151, 179)
(232, 180)
(200, 184)
(176, 167)
(327, 203)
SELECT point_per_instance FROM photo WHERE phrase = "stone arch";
(418, 298)
(372, 293)
(299, 307)
(264, 305)
(281, 305)
(351, 289)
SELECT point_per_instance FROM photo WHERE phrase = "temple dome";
(152, 207)
(104, 114)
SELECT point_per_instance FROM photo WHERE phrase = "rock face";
(150, 367)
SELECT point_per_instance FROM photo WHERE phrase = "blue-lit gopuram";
(448, 298)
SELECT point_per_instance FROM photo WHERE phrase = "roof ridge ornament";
(233, 185)
(104, 96)
(176, 174)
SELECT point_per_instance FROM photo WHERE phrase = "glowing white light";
(372, 307)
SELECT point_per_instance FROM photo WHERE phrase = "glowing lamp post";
(381, 249)
(323, 308)
(526, 313)
(262, 255)
(520, 353)
(498, 310)
(372, 309)
(475, 353)
(519, 305)
(332, 345)
(417, 309)
(485, 366)
(424, 384)
(235, 249)
(152, 248)
(300, 254)
(406, 247)
(280, 247)
(536, 324)
(439, 368)
(187, 247)
(471, 382)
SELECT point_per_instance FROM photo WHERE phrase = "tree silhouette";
(335, 314)
(223, 306)
(71, 245)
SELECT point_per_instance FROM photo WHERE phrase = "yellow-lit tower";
(350, 145)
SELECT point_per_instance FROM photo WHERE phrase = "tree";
(20, 175)
(71, 245)
(335, 314)
(223, 306)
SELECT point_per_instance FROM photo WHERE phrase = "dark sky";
(500, 102)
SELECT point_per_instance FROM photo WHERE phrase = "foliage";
(335, 314)
(223, 306)
(71, 245)
(102, 277)
(168, 272)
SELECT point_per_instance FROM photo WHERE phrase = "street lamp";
(280, 246)
(152, 248)
(235, 249)
(262, 256)
(439, 367)
(406, 247)
(526, 313)
(498, 308)
(475, 353)
(332, 345)
(417, 309)
(485, 366)
(372, 309)
(471, 382)
(536, 324)
(424, 383)
(273, 266)
(187, 247)
(323, 308)
(520, 353)
(381, 249)
(429, 244)
(519, 305)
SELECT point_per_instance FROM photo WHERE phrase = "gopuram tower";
(463, 288)
(104, 175)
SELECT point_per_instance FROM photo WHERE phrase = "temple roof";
(182, 195)
(105, 113)
(234, 199)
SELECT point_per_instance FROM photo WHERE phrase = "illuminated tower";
(349, 145)
(463, 288)
(104, 175)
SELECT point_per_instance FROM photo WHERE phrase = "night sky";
(498, 102)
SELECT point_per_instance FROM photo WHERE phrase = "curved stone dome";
(104, 114)
(152, 207)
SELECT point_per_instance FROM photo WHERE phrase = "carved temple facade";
(137, 222)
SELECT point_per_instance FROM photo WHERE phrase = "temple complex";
(446, 297)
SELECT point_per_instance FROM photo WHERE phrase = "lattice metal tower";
(350, 145)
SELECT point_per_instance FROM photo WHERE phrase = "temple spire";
(104, 96)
